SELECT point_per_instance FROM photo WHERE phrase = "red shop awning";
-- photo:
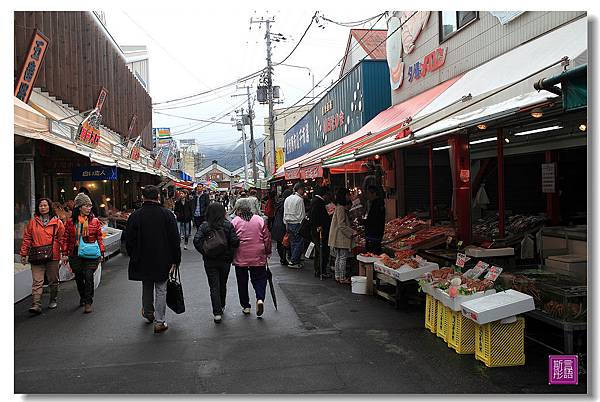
(387, 122)
(352, 167)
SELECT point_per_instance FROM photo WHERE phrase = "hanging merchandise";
(527, 247)
(481, 199)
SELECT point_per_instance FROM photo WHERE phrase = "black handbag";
(175, 292)
(42, 254)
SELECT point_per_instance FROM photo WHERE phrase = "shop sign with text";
(431, 62)
(91, 173)
(31, 66)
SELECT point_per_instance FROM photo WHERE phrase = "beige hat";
(82, 199)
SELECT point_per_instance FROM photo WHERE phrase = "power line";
(191, 118)
(300, 41)
(334, 67)
(351, 24)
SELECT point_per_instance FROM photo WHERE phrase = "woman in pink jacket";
(251, 256)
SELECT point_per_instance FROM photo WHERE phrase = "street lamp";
(309, 73)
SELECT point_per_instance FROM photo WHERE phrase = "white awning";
(571, 40)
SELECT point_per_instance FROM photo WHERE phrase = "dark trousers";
(217, 275)
(258, 277)
(318, 258)
(283, 252)
(84, 277)
(198, 221)
(373, 246)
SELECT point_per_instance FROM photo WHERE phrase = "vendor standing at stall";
(375, 220)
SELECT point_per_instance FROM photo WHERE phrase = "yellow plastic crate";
(431, 313)
(442, 321)
(500, 345)
(461, 333)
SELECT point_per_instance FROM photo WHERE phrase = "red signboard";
(292, 174)
(89, 130)
(101, 99)
(31, 66)
(311, 172)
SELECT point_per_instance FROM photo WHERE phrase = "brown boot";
(53, 297)
(36, 305)
(87, 308)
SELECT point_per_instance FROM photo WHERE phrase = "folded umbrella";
(271, 288)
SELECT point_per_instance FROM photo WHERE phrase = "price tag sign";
(461, 260)
(493, 273)
(477, 270)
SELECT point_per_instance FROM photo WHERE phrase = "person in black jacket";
(217, 266)
(320, 222)
(184, 212)
(375, 221)
(153, 247)
(278, 230)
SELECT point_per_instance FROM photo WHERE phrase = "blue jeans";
(296, 242)
(185, 230)
(258, 277)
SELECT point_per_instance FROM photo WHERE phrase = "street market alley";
(323, 339)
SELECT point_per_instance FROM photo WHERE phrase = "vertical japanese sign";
(548, 177)
(31, 66)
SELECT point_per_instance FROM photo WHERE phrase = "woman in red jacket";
(43, 229)
(83, 227)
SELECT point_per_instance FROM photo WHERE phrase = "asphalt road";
(323, 339)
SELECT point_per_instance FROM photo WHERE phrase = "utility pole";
(252, 142)
(240, 127)
(269, 81)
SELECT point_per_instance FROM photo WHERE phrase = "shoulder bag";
(42, 254)
(88, 251)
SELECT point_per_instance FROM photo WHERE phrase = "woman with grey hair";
(251, 256)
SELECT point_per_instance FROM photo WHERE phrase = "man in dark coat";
(153, 246)
(320, 223)
(184, 212)
(278, 230)
(375, 222)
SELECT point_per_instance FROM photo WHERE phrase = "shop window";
(453, 21)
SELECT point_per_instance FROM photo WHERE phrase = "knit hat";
(82, 199)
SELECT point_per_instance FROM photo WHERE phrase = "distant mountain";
(230, 158)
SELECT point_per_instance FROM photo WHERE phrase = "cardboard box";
(574, 265)
(497, 306)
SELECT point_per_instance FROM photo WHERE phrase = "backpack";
(215, 243)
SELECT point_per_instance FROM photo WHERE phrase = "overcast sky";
(200, 49)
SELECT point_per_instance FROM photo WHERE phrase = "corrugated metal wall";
(477, 43)
(377, 91)
(81, 59)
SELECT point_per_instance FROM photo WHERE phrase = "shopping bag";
(175, 293)
(286, 241)
(97, 276)
(64, 272)
(309, 250)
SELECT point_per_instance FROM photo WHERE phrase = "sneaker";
(284, 263)
(185, 247)
(53, 305)
(87, 308)
(246, 310)
(260, 308)
(160, 327)
(218, 318)
(295, 266)
(148, 317)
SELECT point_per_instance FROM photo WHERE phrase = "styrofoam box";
(454, 303)
(497, 306)
(406, 273)
(479, 252)
(367, 260)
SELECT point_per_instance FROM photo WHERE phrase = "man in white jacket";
(293, 215)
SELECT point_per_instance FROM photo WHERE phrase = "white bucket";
(359, 285)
